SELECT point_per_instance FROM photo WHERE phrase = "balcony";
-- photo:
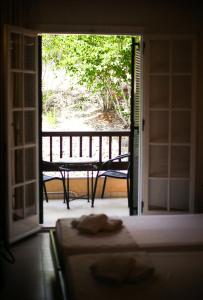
(98, 146)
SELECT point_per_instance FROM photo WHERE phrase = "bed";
(70, 241)
(144, 232)
(178, 275)
(173, 242)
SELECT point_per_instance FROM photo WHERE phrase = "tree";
(101, 63)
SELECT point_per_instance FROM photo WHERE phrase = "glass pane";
(159, 56)
(159, 91)
(15, 51)
(18, 166)
(180, 161)
(158, 161)
(158, 194)
(30, 163)
(30, 125)
(30, 199)
(181, 91)
(18, 204)
(182, 56)
(29, 53)
(29, 90)
(18, 128)
(16, 90)
(180, 122)
(179, 195)
(159, 123)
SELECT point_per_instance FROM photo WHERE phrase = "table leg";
(92, 185)
(68, 185)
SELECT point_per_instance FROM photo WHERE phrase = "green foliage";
(50, 101)
(51, 117)
(45, 98)
(81, 103)
(100, 63)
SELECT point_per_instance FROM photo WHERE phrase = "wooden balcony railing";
(97, 145)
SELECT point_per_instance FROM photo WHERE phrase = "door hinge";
(142, 206)
(143, 124)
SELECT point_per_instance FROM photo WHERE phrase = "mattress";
(178, 275)
(149, 232)
(70, 241)
(166, 231)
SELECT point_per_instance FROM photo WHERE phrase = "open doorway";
(168, 139)
(88, 94)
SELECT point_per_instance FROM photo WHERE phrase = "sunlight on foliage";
(102, 64)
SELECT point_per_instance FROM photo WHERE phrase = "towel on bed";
(121, 268)
(95, 223)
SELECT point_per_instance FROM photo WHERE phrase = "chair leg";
(128, 192)
(88, 187)
(104, 185)
(94, 191)
(66, 194)
(67, 190)
(45, 192)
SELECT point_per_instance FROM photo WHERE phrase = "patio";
(55, 209)
(88, 145)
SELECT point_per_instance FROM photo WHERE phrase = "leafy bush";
(102, 64)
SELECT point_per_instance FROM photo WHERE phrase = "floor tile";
(56, 209)
(32, 275)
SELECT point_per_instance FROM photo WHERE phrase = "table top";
(80, 164)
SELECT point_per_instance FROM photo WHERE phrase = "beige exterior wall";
(114, 188)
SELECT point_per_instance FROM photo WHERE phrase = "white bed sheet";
(70, 241)
(158, 231)
(155, 232)
(178, 275)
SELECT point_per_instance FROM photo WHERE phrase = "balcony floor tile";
(56, 209)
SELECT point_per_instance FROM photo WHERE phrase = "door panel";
(21, 54)
(169, 112)
(135, 201)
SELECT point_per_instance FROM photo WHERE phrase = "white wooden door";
(22, 100)
(169, 113)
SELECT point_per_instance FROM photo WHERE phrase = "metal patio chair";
(48, 166)
(107, 169)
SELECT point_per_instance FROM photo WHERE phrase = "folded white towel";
(141, 270)
(121, 268)
(90, 223)
(112, 268)
(112, 224)
(95, 223)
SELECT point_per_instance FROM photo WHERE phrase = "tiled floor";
(32, 276)
(55, 209)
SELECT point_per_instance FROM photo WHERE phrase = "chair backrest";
(113, 163)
